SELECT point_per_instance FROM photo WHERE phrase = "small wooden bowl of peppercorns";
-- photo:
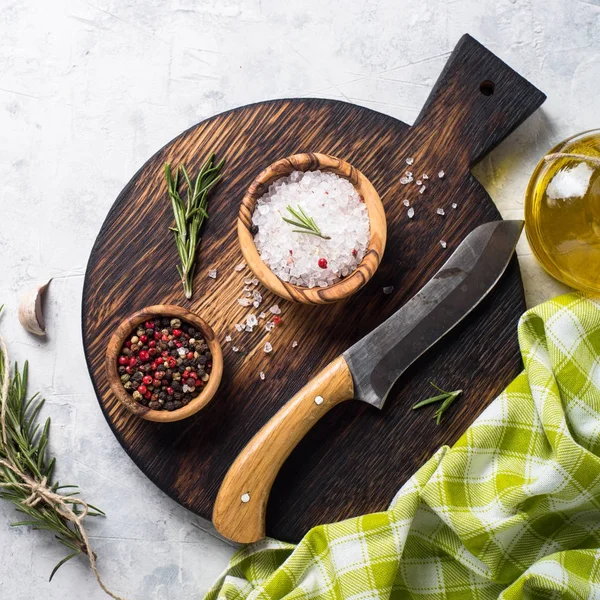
(164, 363)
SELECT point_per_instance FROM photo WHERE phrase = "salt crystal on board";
(454, 205)
(248, 328)
(248, 281)
(275, 309)
(441, 211)
(254, 281)
(404, 180)
(235, 349)
(424, 176)
(269, 326)
(212, 273)
(244, 301)
(441, 174)
(418, 182)
(422, 189)
(294, 344)
(227, 338)
(262, 375)
(239, 327)
(406, 202)
(268, 348)
(410, 212)
(240, 267)
(387, 290)
(443, 243)
(251, 320)
(410, 161)
(262, 315)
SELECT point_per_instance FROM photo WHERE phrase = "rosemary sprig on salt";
(303, 223)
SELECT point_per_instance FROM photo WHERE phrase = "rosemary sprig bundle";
(303, 223)
(26, 472)
(190, 214)
(446, 398)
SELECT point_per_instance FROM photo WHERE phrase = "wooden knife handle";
(241, 504)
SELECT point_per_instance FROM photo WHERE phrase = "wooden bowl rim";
(377, 221)
(116, 343)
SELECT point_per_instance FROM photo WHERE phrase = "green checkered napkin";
(511, 511)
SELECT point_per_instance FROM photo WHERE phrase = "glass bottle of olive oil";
(562, 211)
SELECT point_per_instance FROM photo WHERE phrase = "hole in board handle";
(487, 87)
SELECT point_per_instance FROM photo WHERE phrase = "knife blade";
(377, 360)
(366, 371)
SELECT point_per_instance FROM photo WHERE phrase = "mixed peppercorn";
(165, 363)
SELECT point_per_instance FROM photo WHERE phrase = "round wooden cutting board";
(357, 457)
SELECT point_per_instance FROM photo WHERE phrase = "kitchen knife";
(366, 371)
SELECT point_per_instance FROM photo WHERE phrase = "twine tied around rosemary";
(38, 490)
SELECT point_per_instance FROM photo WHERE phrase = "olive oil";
(562, 211)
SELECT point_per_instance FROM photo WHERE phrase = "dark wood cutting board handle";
(241, 505)
(476, 102)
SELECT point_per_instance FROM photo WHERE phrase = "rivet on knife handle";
(240, 507)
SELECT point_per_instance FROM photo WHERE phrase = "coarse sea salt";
(338, 211)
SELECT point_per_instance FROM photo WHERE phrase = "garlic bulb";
(30, 310)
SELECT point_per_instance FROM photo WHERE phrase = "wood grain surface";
(354, 460)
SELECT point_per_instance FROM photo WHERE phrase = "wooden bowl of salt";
(345, 281)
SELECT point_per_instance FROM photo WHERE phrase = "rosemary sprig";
(303, 222)
(446, 398)
(190, 214)
(23, 446)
